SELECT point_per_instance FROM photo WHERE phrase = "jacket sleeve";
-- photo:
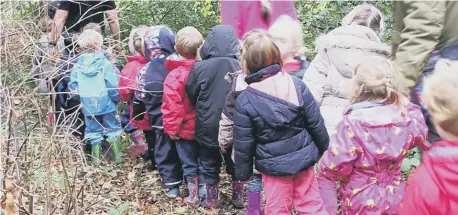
(225, 133)
(419, 194)
(420, 35)
(192, 86)
(419, 127)
(112, 81)
(172, 105)
(314, 121)
(337, 163)
(244, 143)
(73, 86)
(316, 76)
(126, 84)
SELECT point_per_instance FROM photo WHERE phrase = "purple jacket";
(245, 16)
(365, 156)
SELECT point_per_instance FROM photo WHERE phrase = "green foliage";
(203, 15)
(318, 18)
(119, 210)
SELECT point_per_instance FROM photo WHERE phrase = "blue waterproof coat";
(95, 79)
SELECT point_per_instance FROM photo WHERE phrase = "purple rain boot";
(254, 203)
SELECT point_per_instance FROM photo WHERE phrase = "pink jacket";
(245, 16)
(128, 84)
(365, 156)
(432, 189)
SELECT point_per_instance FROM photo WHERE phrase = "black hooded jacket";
(206, 86)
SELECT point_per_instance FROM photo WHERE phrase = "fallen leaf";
(131, 176)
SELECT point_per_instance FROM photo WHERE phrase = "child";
(179, 115)
(288, 36)
(207, 90)
(431, 189)
(95, 80)
(365, 154)
(159, 45)
(278, 121)
(226, 127)
(127, 85)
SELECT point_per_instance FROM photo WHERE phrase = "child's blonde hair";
(136, 39)
(366, 15)
(286, 27)
(258, 51)
(439, 95)
(374, 80)
(90, 39)
(93, 26)
(188, 40)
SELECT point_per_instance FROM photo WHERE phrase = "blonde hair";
(90, 39)
(136, 39)
(93, 26)
(374, 80)
(366, 15)
(439, 95)
(288, 28)
(188, 40)
(258, 51)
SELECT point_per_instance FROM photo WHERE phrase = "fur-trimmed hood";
(353, 37)
(347, 45)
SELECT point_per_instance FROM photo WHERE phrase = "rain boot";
(211, 199)
(254, 203)
(96, 151)
(115, 145)
(237, 195)
(193, 187)
(202, 192)
(173, 192)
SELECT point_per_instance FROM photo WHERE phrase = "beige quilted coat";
(329, 75)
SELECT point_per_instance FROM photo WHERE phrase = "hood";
(138, 58)
(353, 37)
(277, 99)
(346, 45)
(441, 162)
(159, 42)
(172, 64)
(274, 111)
(222, 41)
(92, 63)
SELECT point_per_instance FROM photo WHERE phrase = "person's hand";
(174, 137)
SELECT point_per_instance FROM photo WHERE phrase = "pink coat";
(365, 156)
(245, 16)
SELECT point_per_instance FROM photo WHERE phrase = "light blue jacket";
(95, 79)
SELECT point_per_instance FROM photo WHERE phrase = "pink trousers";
(300, 190)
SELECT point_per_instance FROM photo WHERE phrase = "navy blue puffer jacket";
(285, 139)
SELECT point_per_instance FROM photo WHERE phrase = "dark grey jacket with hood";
(206, 86)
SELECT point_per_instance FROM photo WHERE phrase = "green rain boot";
(115, 145)
(96, 150)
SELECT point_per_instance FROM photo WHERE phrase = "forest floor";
(137, 189)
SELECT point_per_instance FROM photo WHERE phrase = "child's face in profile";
(287, 46)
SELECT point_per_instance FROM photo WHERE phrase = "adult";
(72, 16)
(245, 16)
(423, 33)
(339, 53)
